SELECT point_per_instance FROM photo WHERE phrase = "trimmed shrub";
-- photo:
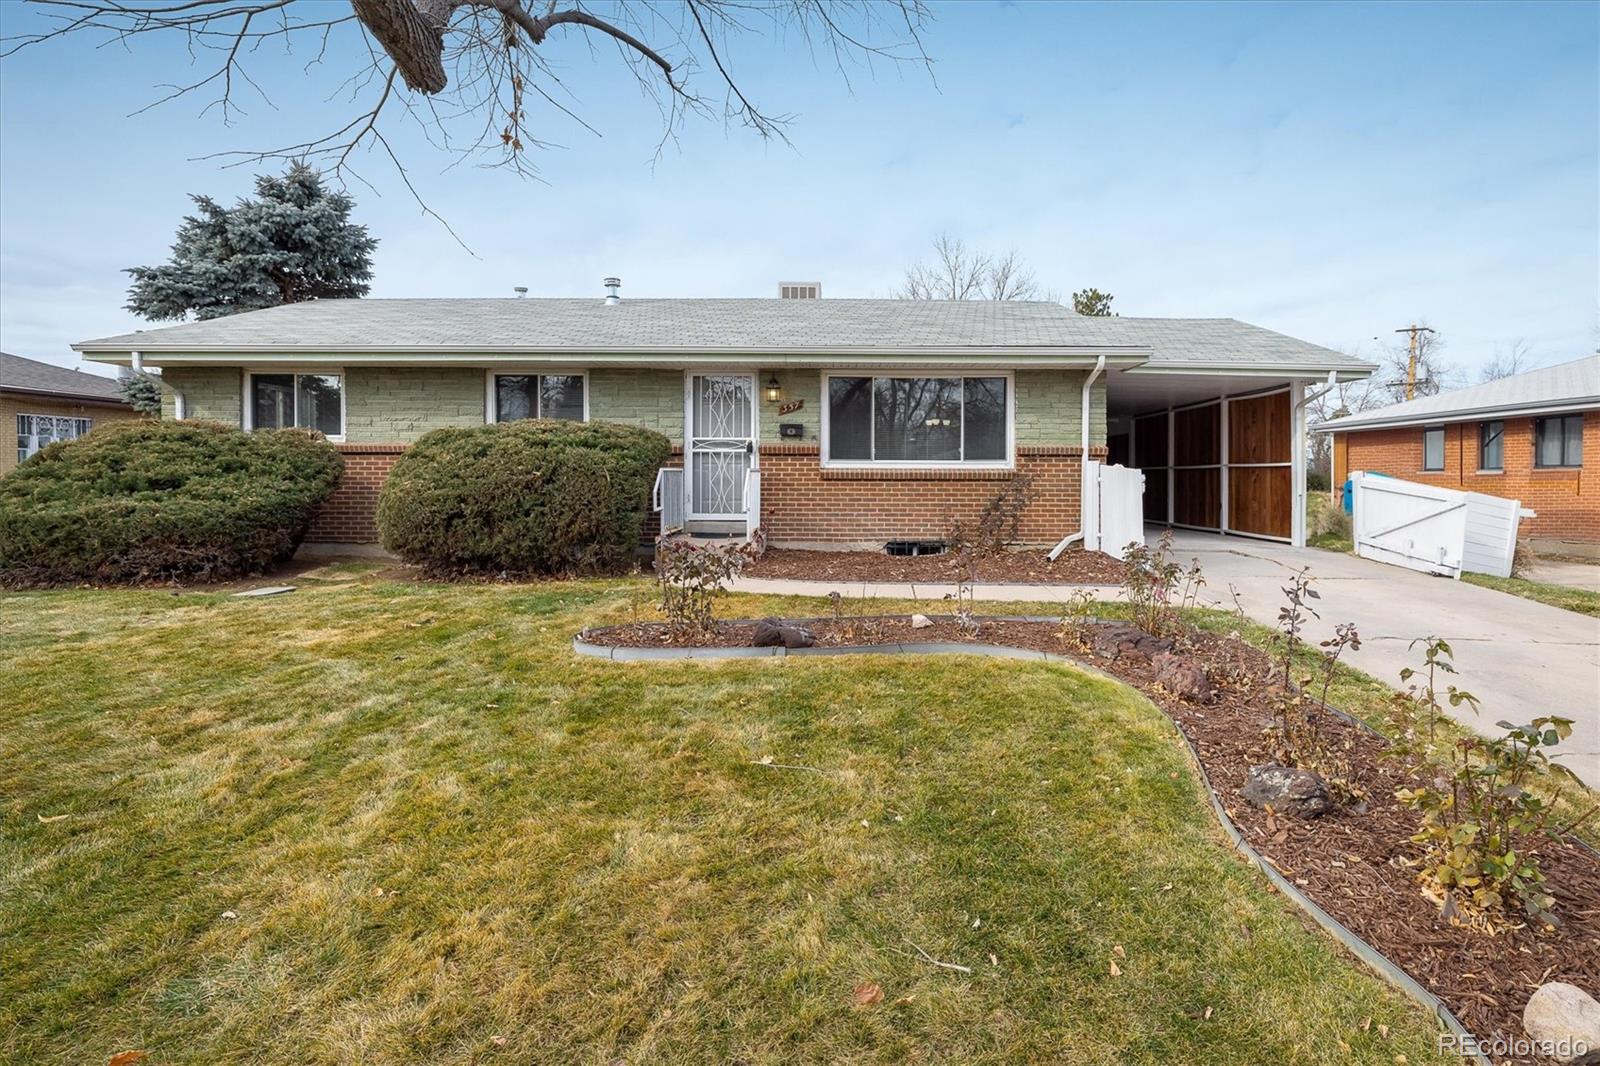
(161, 501)
(525, 497)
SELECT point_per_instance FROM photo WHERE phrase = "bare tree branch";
(485, 55)
(958, 274)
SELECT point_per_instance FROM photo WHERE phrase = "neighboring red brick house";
(1533, 437)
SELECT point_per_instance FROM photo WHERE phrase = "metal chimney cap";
(612, 283)
(612, 296)
(520, 290)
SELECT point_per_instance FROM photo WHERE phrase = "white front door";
(720, 417)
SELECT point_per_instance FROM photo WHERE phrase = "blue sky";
(1330, 171)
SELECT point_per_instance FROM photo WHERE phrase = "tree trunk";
(412, 33)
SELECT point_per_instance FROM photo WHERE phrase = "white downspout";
(1083, 463)
(1297, 467)
(136, 359)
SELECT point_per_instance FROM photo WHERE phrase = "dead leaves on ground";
(868, 993)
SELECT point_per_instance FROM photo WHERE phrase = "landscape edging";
(1371, 956)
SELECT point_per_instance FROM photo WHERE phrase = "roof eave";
(1286, 368)
(57, 394)
(1475, 414)
(472, 354)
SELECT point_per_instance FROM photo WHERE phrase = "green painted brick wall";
(395, 405)
(649, 398)
(388, 405)
(1050, 407)
(211, 392)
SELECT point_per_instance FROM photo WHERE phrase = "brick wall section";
(639, 397)
(803, 503)
(210, 392)
(351, 514)
(1567, 500)
(392, 405)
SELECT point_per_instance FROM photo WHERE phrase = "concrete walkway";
(1520, 658)
(1562, 572)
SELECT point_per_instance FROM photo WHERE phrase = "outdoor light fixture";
(774, 390)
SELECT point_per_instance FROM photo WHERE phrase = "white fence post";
(1090, 488)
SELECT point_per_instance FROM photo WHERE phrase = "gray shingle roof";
(1562, 387)
(30, 375)
(734, 326)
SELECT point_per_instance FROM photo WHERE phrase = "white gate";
(1434, 530)
(1113, 508)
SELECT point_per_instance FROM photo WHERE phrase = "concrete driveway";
(1520, 658)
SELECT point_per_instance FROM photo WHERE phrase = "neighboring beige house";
(46, 403)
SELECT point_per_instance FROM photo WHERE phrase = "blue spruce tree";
(292, 241)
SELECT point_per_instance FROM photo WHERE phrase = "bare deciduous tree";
(468, 71)
(1508, 359)
(955, 273)
(1345, 398)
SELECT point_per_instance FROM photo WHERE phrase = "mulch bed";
(1074, 567)
(1351, 862)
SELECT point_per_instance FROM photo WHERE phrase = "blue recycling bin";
(1348, 493)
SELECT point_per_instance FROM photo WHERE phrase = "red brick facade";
(351, 515)
(1567, 499)
(801, 502)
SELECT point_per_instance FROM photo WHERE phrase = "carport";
(1220, 453)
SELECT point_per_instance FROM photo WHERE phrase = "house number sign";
(790, 407)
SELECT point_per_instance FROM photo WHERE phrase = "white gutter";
(1333, 379)
(1083, 464)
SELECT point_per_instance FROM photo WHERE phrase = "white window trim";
(248, 413)
(1008, 463)
(35, 414)
(490, 415)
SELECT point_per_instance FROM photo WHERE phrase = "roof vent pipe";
(612, 296)
(520, 290)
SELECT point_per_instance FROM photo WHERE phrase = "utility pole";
(1411, 362)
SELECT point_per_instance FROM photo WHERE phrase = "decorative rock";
(267, 590)
(1184, 678)
(1114, 642)
(920, 621)
(1565, 1019)
(770, 633)
(1286, 789)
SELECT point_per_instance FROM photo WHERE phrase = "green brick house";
(830, 422)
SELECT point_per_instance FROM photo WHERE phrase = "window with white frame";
(310, 401)
(36, 431)
(926, 420)
(516, 396)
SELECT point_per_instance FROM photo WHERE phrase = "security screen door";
(722, 427)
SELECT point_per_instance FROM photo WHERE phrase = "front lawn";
(382, 821)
